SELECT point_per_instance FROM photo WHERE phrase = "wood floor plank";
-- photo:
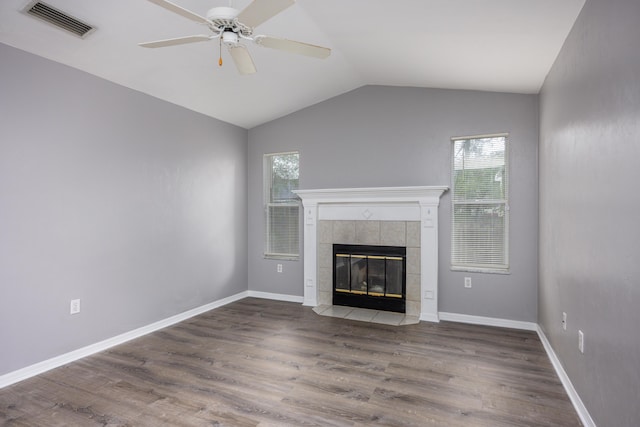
(270, 363)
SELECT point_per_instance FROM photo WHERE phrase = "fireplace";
(370, 277)
(374, 216)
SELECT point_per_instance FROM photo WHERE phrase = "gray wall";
(134, 205)
(589, 209)
(395, 136)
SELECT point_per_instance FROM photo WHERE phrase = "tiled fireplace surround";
(387, 233)
(390, 216)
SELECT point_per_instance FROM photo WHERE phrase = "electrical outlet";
(564, 320)
(581, 341)
(74, 306)
(467, 282)
(279, 268)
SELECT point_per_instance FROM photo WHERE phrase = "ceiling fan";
(232, 27)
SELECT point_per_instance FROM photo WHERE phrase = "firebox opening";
(370, 277)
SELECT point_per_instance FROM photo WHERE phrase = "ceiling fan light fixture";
(229, 38)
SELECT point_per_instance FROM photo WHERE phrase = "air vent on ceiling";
(58, 18)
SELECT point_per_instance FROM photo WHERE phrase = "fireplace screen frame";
(355, 280)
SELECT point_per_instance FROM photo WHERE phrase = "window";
(281, 173)
(480, 211)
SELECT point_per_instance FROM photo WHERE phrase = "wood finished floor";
(269, 363)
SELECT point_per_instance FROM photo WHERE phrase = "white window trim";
(506, 268)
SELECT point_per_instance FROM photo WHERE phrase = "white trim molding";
(488, 321)
(276, 297)
(584, 415)
(72, 356)
(376, 204)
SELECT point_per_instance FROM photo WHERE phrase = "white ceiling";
(489, 45)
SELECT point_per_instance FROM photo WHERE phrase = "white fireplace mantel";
(376, 204)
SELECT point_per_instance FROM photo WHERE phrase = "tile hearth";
(366, 315)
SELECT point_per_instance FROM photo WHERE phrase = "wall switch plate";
(428, 294)
(279, 268)
(581, 341)
(564, 320)
(467, 282)
(74, 306)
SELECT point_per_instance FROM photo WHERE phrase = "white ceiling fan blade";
(293, 47)
(180, 10)
(242, 59)
(176, 41)
(260, 11)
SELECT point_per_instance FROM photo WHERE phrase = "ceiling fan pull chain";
(220, 50)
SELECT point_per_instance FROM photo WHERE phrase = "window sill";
(481, 270)
(282, 257)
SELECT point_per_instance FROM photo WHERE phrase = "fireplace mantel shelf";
(372, 194)
(419, 203)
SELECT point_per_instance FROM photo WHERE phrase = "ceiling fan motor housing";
(223, 20)
(222, 13)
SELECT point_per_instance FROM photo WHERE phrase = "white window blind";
(480, 211)
(281, 172)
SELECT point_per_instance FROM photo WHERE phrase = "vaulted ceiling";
(487, 45)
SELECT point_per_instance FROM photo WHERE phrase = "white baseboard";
(278, 297)
(63, 359)
(584, 415)
(488, 321)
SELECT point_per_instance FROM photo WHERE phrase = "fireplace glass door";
(370, 277)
